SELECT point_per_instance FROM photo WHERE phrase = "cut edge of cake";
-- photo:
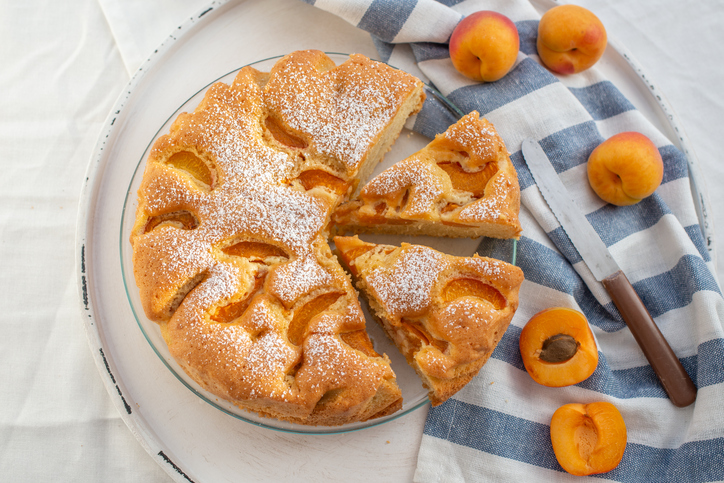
(462, 184)
(418, 310)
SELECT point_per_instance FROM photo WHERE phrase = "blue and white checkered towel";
(497, 428)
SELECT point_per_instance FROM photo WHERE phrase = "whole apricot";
(484, 46)
(588, 438)
(558, 348)
(625, 168)
(570, 39)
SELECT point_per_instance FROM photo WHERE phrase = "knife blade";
(674, 379)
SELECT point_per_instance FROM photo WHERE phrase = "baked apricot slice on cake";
(462, 184)
(445, 314)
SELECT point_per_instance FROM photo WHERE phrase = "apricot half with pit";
(558, 348)
(588, 438)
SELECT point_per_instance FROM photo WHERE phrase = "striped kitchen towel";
(497, 428)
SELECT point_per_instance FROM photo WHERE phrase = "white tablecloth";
(63, 66)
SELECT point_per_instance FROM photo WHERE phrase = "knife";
(674, 379)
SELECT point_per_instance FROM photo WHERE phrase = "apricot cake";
(462, 184)
(231, 253)
(230, 247)
(446, 314)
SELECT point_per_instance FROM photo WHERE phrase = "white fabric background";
(63, 65)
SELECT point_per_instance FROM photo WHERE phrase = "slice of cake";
(462, 184)
(446, 314)
(230, 249)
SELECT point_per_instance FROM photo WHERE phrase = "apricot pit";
(558, 348)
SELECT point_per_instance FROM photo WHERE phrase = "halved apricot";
(351, 248)
(558, 348)
(588, 438)
(449, 207)
(381, 220)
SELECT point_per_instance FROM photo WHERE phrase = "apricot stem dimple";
(559, 348)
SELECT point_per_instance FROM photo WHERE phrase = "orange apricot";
(588, 438)
(558, 348)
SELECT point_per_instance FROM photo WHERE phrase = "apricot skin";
(484, 46)
(588, 438)
(625, 168)
(549, 323)
(571, 39)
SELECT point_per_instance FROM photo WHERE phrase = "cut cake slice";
(462, 184)
(446, 314)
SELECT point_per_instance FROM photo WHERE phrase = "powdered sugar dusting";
(332, 365)
(405, 288)
(298, 278)
(267, 360)
(464, 318)
(221, 282)
(487, 267)
(426, 189)
(477, 136)
(251, 196)
(344, 109)
(489, 208)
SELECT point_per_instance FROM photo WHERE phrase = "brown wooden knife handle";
(676, 382)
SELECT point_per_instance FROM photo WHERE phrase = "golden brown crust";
(446, 314)
(230, 245)
(462, 184)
